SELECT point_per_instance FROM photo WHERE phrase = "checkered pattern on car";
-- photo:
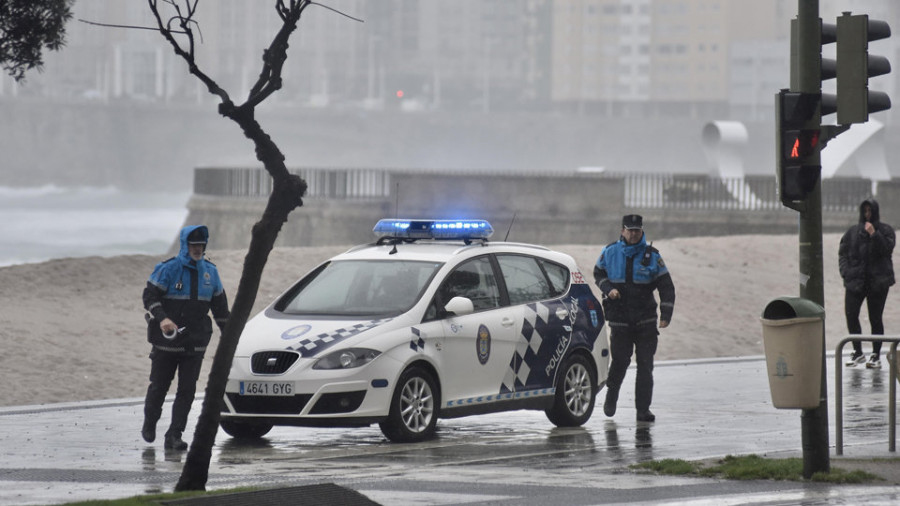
(310, 346)
(417, 344)
(525, 358)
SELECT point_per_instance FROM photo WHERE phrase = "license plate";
(266, 388)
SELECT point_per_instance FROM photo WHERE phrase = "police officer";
(178, 297)
(627, 272)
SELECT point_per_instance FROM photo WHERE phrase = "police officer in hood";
(864, 260)
(628, 272)
(178, 297)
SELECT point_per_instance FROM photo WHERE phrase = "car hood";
(308, 337)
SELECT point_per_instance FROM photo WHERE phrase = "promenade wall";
(543, 209)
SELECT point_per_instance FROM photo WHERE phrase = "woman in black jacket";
(864, 259)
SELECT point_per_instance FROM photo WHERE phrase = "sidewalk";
(705, 409)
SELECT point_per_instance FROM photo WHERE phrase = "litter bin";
(793, 337)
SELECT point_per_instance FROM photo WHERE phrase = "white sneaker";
(855, 358)
(874, 362)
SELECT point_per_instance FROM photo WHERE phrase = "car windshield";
(361, 287)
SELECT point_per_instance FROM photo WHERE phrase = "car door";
(544, 320)
(477, 347)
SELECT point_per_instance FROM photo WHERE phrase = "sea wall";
(537, 209)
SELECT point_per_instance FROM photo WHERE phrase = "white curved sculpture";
(723, 143)
(857, 152)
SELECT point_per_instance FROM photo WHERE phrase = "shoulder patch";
(167, 260)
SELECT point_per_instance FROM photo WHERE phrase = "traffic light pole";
(814, 422)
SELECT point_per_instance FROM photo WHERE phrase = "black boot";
(148, 431)
(612, 396)
(174, 442)
(646, 416)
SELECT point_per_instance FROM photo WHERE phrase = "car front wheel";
(245, 430)
(575, 393)
(414, 407)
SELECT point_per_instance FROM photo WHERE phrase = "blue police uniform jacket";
(635, 271)
(185, 291)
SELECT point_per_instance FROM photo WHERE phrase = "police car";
(431, 321)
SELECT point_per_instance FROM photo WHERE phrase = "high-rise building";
(693, 58)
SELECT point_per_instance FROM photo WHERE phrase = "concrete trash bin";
(793, 337)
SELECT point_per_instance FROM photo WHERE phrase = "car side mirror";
(460, 306)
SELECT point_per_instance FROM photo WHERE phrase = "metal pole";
(814, 422)
(839, 399)
(892, 400)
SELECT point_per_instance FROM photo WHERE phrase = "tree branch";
(187, 55)
(110, 25)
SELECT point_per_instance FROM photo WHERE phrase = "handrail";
(751, 193)
(839, 385)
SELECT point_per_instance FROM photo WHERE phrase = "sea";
(49, 222)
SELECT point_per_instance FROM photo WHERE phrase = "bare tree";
(28, 26)
(178, 28)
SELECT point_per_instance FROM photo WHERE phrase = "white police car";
(431, 321)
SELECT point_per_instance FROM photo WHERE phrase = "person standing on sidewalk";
(178, 297)
(864, 260)
(627, 273)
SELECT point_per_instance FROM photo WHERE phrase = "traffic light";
(797, 146)
(806, 58)
(855, 66)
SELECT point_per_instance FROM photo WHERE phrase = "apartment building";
(630, 58)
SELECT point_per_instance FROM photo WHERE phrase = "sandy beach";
(73, 329)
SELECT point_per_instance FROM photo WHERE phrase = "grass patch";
(158, 499)
(669, 466)
(752, 467)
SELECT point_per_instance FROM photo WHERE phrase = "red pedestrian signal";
(798, 168)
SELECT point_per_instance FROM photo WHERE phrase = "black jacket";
(865, 261)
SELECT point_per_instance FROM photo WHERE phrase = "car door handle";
(507, 322)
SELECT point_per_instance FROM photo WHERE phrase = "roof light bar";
(433, 229)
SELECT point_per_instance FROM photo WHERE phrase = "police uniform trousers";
(642, 343)
(164, 365)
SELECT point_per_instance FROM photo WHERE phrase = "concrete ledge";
(534, 209)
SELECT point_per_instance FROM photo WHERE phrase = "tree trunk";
(287, 192)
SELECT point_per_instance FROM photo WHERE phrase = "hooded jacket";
(185, 290)
(636, 270)
(865, 261)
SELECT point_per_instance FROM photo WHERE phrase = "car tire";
(576, 391)
(245, 430)
(414, 407)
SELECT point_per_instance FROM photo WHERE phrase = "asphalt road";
(705, 409)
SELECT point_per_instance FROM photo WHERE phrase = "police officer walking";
(627, 273)
(178, 297)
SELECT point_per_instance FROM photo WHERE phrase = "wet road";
(705, 409)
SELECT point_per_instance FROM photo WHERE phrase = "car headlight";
(346, 359)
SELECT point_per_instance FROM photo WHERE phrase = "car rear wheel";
(575, 393)
(245, 430)
(414, 407)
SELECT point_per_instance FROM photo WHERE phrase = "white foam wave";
(48, 222)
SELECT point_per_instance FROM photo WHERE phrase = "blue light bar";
(433, 229)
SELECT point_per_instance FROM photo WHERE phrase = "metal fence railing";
(894, 340)
(750, 193)
(342, 184)
(643, 191)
